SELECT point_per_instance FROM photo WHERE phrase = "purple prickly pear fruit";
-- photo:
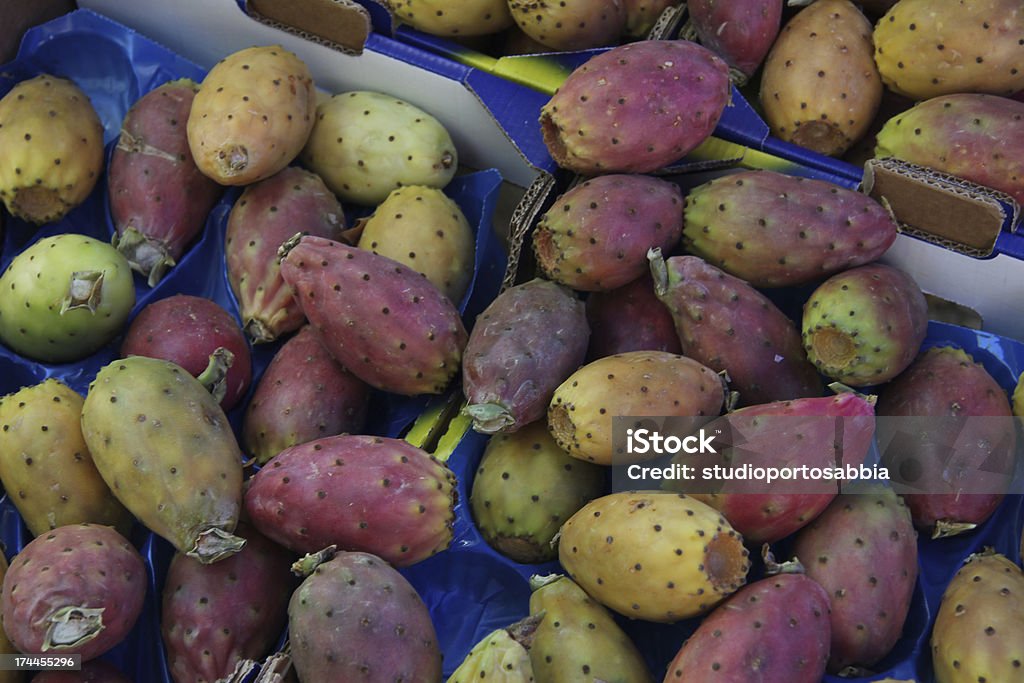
(596, 236)
(642, 15)
(865, 325)
(655, 556)
(955, 444)
(571, 24)
(380, 319)
(529, 339)
(356, 618)
(976, 137)
(776, 230)
(774, 631)
(55, 601)
(729, 326)
(741, 33)
(93, 671)
(629, 318)
(188, 330)
(304, 394)
(371, 494)
(159, 199)
(6, 647)
(636, 108)
(455, 20)
(215, 617)
(820, 88)
(863, 551)
(263, 219)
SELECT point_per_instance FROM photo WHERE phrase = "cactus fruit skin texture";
(865, 325)
(979, 629)
(64, 298)
(355, 617)
(525, 487)
(729, 326)
(740, 32)
(264, 217)
(642, 15)
(776, 230)
(571, 24)
(53, 148)
(164, 446)
(45, 465)
(529, 339)
(366, 144)
(976, 137)
(443, 18)
(159, 199)
(776, 629)
(502, 656)
(596, 235)
(636, 107)
(6, 646)
(640, 383)
(424, 229)
(365, 493)
(660, 557)
(304, 394)
(252, 115)
(863, 551)
(380, 319)
(820, 87)
(578, 635)
(965, 466)
(56, 602)
(629, 318)
(925, 48)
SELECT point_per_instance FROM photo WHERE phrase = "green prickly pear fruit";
(65, 297)
(45, 464)
(454, 19)
(501, 657)
(578, 641)
(1018, 397)
(525, 488)
(571, 24)
(164, 446)
(53, 148)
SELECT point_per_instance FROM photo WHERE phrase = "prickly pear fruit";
(525, 488)
(425, 230)
(776, 230)
(979, 629)
(529, 339)
(639, 383)
(571, 24)
(975, 137)
(252, 115)
(954, 446)
(366, 144)
(304, 394)
(56, 602)
(820, 88)
(93, 671)
(53, 148)
(216, 616)
(776, 629)
(365, 493)
(501, 657)
(865, 325)
(166, 449)
(442, 18)
(655, 556)
(264, 217)
(1018, 397)
(6, 647)
(729, 326)
(579, 636)
(629, 318)
(741, 33)
(636, 108)
(596, 235)
(45, 464)
(925, 49)
(355, 617)
(382, 320)
(159, 199)
(64, 297)
(643, 15)
(188, 330)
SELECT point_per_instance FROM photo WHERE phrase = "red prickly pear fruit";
(265, 216)
(629, 318)
(636, 108)
(159, 199)
(380, 319)
(6, 647)
(304, 394)
(187, 330)
(94, 671)
(55, 602)
(741, 32)
(365, 493)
